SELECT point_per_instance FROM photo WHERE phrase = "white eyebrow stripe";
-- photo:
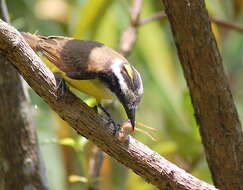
(116, 68)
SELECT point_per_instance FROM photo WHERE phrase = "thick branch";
(211, 97)
(143, 161)
(19, 151)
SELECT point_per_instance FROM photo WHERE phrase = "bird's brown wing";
(72, 56)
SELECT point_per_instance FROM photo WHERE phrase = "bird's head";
(125, 81)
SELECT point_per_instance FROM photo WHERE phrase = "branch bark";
(215, 111)
(20, 163)
(132, 153)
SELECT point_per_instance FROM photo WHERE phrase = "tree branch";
(132, 153)
(129, 35)
(212, 100)
(227, 24)
(4, 11)
(155, 16)
(95, 164)
(219, 22)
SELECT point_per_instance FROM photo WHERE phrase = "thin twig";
(135, 11)
(227, 24)
(4, 11)
(219, 22)
(129, 35)
(158, 15)
(95, 164)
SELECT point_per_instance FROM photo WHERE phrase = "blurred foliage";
(166, 103)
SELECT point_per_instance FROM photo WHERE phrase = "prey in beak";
(131, 116)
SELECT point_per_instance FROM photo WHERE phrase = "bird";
(92, 68)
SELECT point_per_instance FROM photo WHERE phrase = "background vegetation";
(166, 103)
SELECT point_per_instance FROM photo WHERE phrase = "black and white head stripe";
(116, 69)
(125, 82)
(128, 77)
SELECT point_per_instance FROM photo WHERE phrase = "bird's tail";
(32, 40)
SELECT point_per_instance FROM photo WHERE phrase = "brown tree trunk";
(20, 164)
(214, 107)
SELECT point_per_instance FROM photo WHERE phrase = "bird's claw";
(61, 86)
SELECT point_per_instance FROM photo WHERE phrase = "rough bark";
(132, 153)
(20, 165)
(214, 107)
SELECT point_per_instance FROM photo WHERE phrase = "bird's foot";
(95, 108)
(61, 86)
(110, 120)
(120, 130)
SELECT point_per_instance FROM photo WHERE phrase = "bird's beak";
(131, 116)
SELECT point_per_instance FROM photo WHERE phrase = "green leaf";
(90, 13)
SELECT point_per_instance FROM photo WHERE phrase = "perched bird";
(92, 68)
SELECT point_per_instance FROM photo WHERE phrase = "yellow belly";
(91, 87)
